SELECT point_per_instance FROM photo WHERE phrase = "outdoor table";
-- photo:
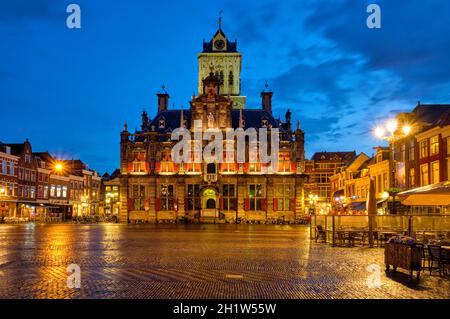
(385, 235)
(351, 234)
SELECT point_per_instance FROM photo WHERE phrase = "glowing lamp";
(406, 129)
(379, 132)
(392, 126)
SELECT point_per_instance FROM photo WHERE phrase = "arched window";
(221, 77)
(230, 78)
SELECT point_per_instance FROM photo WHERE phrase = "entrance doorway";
(211, 204)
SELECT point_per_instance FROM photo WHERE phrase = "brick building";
(320, 169)
(420, 158)
(154, 188)
(31, 188)
(8, 181)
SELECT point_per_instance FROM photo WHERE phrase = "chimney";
(144, 120)
(163, 99)
(266, 96)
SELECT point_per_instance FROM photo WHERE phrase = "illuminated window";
(229, 196)
(228, 165)
(424, 149)
(52, 191)
(434, 145)
(435, 172)
(424, 175)
(448, 148)
(283, 194)
(448, 169)
(255, 192)
(193, 197)
(167, 166)
(412, 177)
(402, 152)
(11, 189)
(138, 197)
(194, 164)
(139, 158)
(167, 197)
(64, 191)
(58, 191)
(284, 162)
(412, 150)
(162, 123)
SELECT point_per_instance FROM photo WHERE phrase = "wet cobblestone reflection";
(193, 261)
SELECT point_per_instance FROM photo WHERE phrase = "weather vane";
(220, 18)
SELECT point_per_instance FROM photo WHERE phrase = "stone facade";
(153, 188)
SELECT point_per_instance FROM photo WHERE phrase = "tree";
(393, 192)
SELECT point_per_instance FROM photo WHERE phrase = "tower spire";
(220, 19)
(182, 117)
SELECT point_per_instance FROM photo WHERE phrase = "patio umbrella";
(371, 209)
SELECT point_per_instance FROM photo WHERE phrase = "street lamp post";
(58, 168)
(392, 134)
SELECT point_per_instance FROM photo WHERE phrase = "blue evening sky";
(70, 91)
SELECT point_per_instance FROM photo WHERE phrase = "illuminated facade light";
(406, 129)
(392, 126)
(379, 132)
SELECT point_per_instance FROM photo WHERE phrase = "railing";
(417, 226)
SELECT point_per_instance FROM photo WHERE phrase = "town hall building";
(153, 188)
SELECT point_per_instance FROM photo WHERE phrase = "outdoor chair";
(446, 262)
(344, 236)
(360, 238)
(435, 258)
(320, 233)
(425, 255)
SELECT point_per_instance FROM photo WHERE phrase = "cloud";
(412, 42)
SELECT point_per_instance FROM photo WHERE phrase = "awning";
(358, 206)
(35, 204)
(430, 195)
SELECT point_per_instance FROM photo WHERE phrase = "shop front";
(428, 200)
(7, 209)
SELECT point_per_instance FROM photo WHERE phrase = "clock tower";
(221, 56)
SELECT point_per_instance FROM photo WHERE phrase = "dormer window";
(264, 123)
(162, 123)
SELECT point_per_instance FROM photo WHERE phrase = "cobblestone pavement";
(193, 261)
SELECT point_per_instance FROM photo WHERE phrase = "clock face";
(219, 44)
